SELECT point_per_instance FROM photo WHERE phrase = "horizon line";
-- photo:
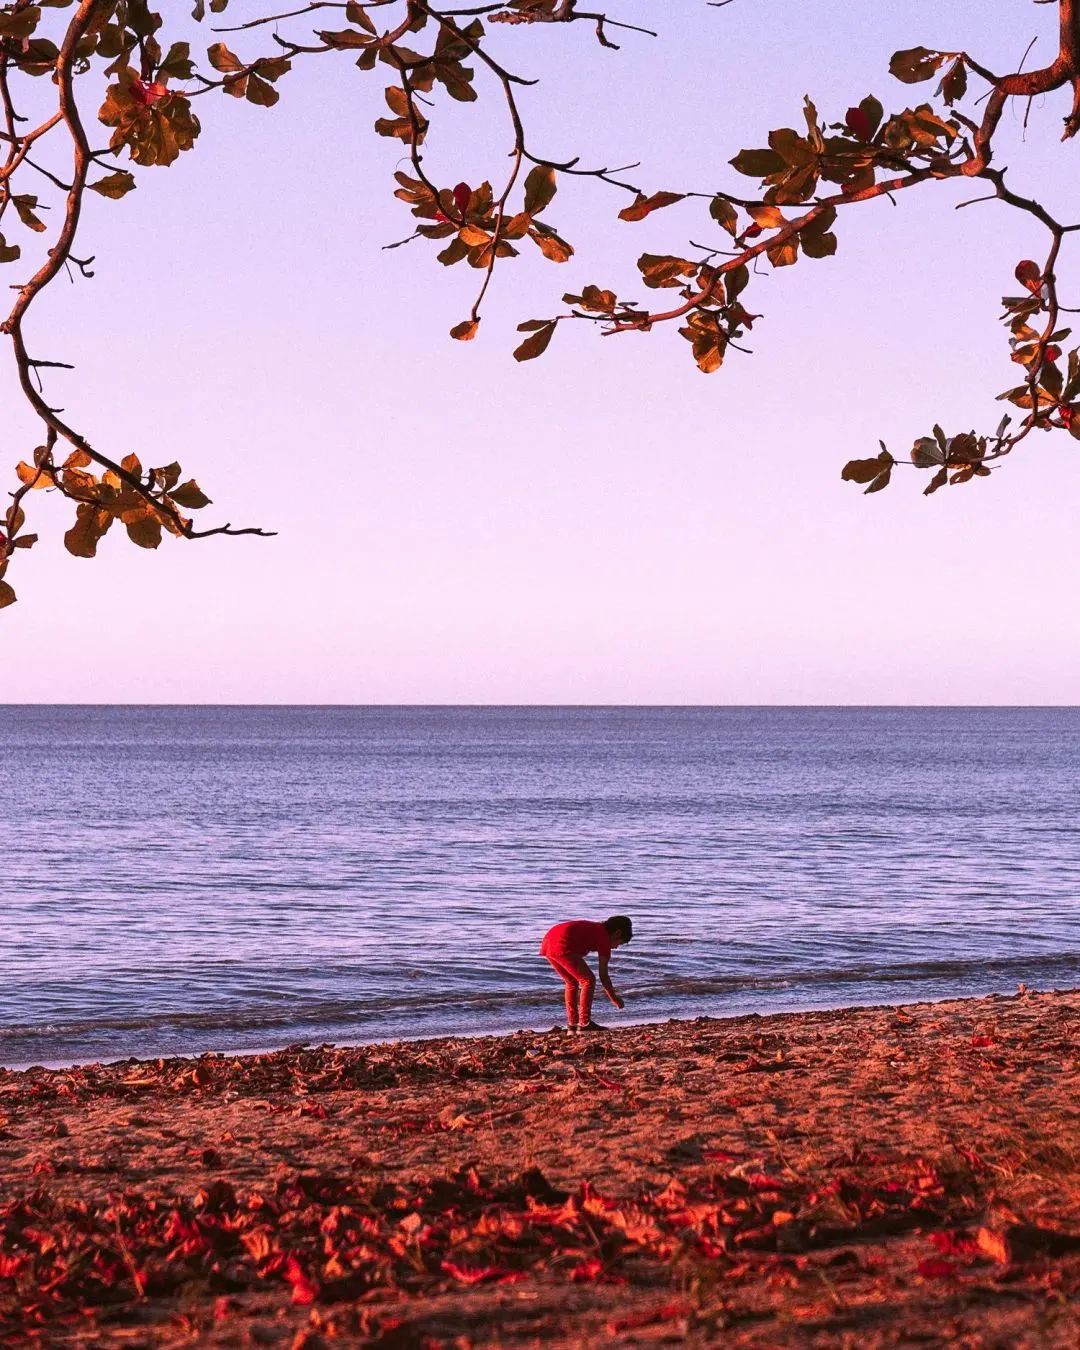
(644, 707)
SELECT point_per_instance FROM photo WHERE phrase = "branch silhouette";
(130, 55)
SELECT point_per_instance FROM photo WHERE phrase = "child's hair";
(620, 926)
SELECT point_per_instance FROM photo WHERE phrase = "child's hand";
(619, 1003)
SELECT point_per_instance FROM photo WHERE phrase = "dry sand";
(862, 1178)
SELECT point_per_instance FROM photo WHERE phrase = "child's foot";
(592, 1026)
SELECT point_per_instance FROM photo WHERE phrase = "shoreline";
(830, 1177)
(777, 1007)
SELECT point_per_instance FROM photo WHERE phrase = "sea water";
(178, 879)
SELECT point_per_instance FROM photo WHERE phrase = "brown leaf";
(758, 163)
(190, 495)
(551, 246)
(466, 330)
(261, 93)
(32, 474)
(916, 64)
(540, 187)
(644, 206)
(7, 595)
(536, 344)
(114, 185)
(768, 217)
(866, 470)
(473, 236)
(91, 522)
(222, 59)
(725, 215)
(146, 531)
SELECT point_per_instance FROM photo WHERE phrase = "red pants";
(580, 985)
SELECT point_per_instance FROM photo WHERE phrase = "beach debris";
(404, 1195)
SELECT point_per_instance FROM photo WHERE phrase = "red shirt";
(576, 938)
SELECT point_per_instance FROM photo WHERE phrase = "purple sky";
(605, 524)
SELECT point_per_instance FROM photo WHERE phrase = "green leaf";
(536, 344)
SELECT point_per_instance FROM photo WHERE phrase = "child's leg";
(570, 987)
(586, 990)
(580, 987)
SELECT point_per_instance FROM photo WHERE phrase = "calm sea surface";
(183, 879)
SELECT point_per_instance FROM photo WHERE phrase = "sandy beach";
(872, 1177)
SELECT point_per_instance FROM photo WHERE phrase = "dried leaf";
(644, 206)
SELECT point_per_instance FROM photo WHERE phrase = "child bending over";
(566, 946)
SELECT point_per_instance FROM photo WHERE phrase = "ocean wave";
(363, 1012)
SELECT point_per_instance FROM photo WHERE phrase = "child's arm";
(605, 980)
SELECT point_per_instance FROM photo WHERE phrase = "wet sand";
(860, 1178)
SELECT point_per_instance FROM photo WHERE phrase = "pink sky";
(605, 524)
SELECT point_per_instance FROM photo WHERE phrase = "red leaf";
(931, 1268)
(587, 1271)
(462, 194)
(858, 123)
(304, 1289)
(758, 1181)
(666, 1312)
(954, 1242)
(481, 1274)
(1029, 274)
(146, 94)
